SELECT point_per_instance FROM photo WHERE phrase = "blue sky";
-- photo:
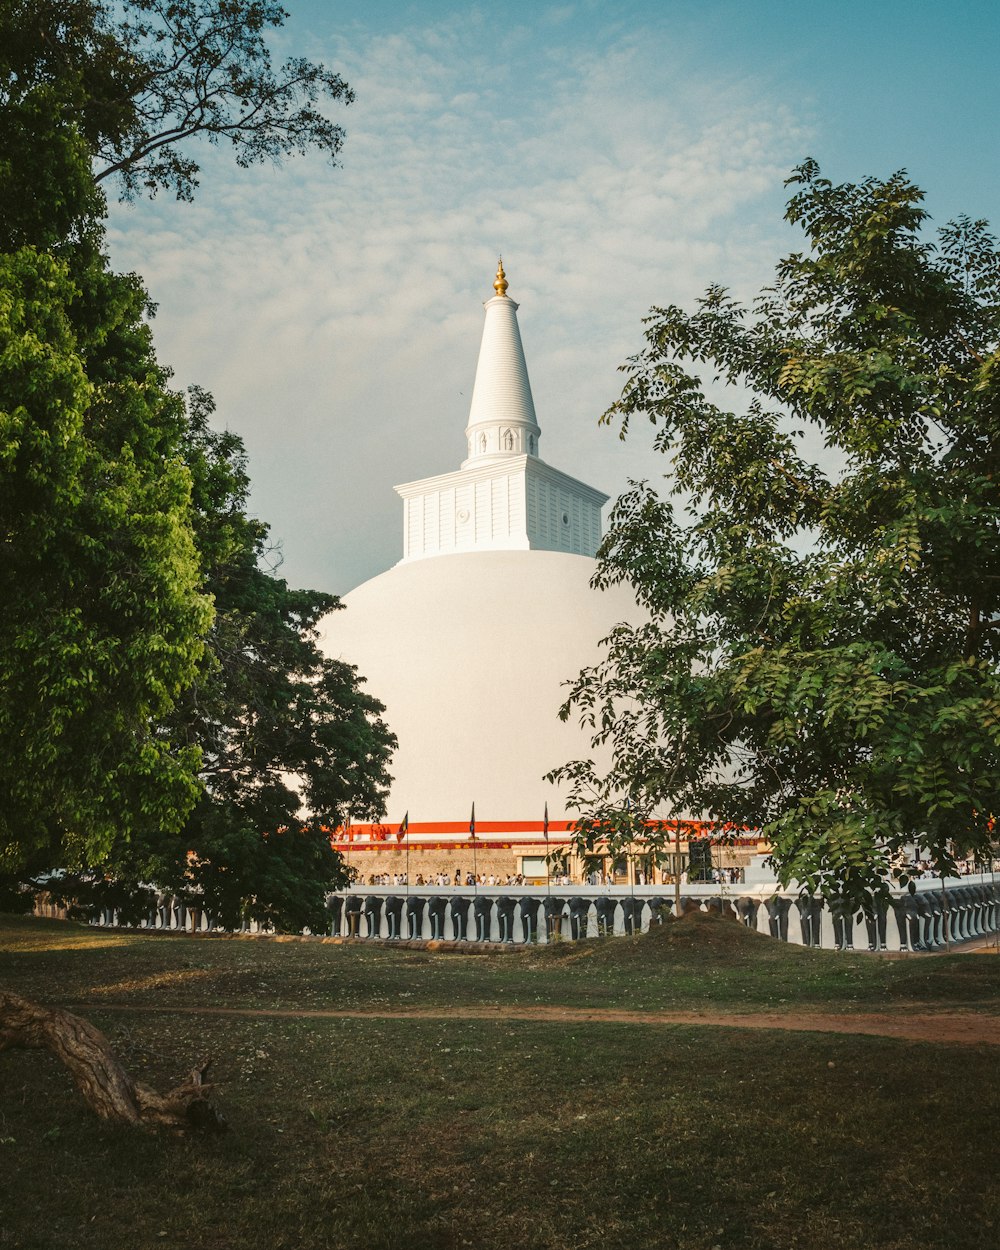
(618, 154)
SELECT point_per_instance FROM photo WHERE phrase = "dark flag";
(472, 823)
(545, 825)
(404, 828)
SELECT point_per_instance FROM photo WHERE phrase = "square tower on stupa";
(503, 497)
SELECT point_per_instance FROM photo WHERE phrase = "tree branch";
(106, 1087)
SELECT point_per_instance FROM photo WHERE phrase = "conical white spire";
(502, 416)
(504, 497)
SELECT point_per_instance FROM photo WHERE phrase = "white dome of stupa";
(470, 639)
(470, 652)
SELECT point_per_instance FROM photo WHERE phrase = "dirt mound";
(702, 931)
(706, 926)
(704, 934)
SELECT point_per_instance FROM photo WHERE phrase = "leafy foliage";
(166, 715)
(203, 68)
(289, 740)
(59, 68)
(104, 615)
(140, 80)
(820, 658)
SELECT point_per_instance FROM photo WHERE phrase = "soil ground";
(963, 1027)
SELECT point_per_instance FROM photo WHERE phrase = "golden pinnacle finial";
(500, 286)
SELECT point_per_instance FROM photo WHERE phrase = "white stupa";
(470, 639)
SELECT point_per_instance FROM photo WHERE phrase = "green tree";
(289, 741)
(821, 655)
(202, 69)
(53, 61)
(138, 81)
(145, 734)
(104, 616)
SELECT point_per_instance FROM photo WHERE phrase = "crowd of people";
(444, 878)
(965, 867)
(719, 876)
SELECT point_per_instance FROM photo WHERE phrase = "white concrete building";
(470, 638)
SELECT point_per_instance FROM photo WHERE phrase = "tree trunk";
(105, 1085)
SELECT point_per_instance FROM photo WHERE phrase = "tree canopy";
(165, 714)
(138, 81)
(105, 611)
(822, 574)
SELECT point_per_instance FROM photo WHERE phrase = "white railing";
(932, 918)
(935, 916)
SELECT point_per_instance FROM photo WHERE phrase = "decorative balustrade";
(929, 919)
(933, 917)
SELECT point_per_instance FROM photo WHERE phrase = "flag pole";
(472, 836)
(630, 857)
(548, 873)
(677, 868)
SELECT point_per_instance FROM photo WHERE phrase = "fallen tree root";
(102, 1081)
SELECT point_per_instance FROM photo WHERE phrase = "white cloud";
(336, 314)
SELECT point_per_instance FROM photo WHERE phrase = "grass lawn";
(451, 1132)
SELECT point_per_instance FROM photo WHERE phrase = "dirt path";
(961, 1027)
